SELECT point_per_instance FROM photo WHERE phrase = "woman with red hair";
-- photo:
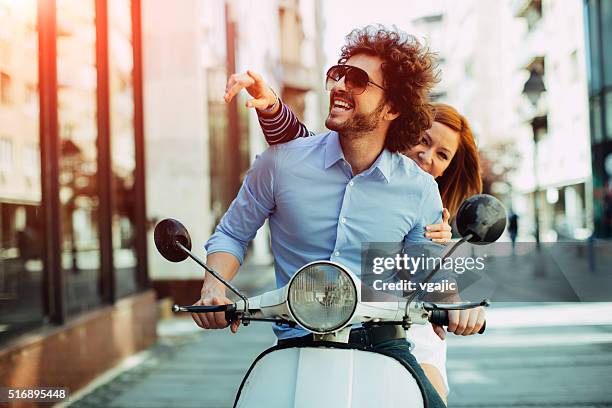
(448, 152)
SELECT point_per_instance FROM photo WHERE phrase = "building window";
(6, 154)
(24, 280)
(596, 130)
(599, 14)
(77, 114)
(608, 114)
(606, 39)
(574, 74)
(531, 11)
(594, 43)
(5, 86)
(21, 237)
(123, 144)
(32, 161)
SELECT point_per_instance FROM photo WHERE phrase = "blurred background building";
(517, 70)
(199, 147)
(598, 15)
(554, 121)
(74, 287)
(81, 84)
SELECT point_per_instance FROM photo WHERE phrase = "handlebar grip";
(440, 317)
(229, 308)
(231, 314)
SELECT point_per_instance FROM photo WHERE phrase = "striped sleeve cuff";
(283, 127)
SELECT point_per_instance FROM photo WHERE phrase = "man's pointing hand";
(263, 96)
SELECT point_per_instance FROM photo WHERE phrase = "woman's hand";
(462, 322)
(440, 233)
(263, 97)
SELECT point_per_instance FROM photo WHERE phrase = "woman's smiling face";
(436, 149)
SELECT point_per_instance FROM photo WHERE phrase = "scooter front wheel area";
(327, 377)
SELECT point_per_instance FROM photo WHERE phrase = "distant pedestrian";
(513, 229)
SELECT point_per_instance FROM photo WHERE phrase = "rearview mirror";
(482, 216)
(167, 234)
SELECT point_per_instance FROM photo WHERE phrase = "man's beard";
(358, 124)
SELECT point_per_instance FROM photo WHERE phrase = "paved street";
(532, 355)
(555, 355)
(188, 368)
(523, 360)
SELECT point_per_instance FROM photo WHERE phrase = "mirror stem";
(436, 269)
(215, 274)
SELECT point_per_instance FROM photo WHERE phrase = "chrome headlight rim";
(317, 330)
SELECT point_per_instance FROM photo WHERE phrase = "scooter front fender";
(305, 377)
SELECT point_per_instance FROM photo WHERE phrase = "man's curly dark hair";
(409, 74)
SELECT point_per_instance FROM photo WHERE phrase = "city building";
(199, 147)
(515, 69)
(553, 183)
(599, 30)
(475, 43)
(111, 119)
(75, 296)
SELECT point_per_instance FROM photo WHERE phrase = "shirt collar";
(333, 154)
(333, 151)
(383, 164)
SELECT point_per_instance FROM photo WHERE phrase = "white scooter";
(324, 298)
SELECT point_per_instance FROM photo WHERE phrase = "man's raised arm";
(277, 120)
(227, 247)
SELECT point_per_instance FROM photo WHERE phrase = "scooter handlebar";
(440, 317)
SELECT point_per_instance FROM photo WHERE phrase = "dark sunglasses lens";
(356, 80)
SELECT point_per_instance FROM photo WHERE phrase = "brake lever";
(429, 306)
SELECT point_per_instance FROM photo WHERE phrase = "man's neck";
(361, 151)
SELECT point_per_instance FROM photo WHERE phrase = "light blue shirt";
(318, 210)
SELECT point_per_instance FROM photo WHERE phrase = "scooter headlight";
(322, 297)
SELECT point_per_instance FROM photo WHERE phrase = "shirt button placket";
(339, 237)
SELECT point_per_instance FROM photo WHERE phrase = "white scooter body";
(306, 377)
(337, 376)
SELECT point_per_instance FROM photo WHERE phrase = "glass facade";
(123, 147)
(82, 159)
(21, 251)
(78, 162)
(606, 35)
(599, 30)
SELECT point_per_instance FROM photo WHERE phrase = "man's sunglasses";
(356, 80)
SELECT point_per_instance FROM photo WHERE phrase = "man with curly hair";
(326, 195)
(408, 75)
